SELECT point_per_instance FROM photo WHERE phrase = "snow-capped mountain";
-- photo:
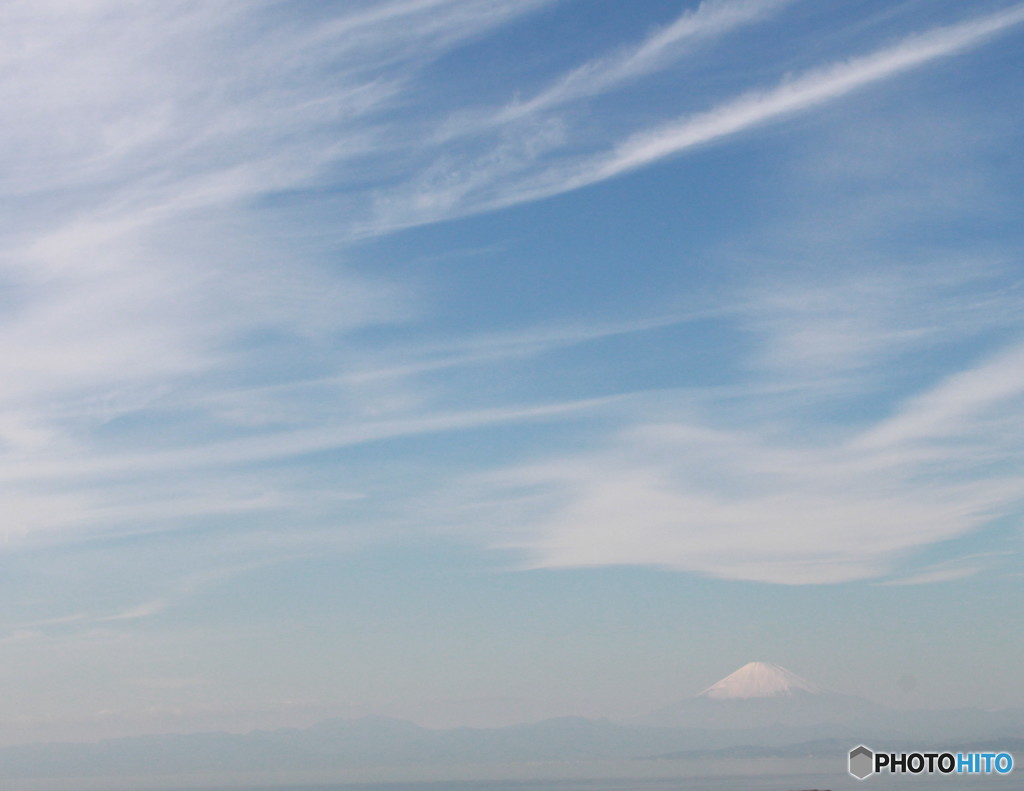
(762, 694)
(759, 680)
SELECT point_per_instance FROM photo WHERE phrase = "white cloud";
(139, 280)
(710, 20)
(960, 569)
(727, 118)
(737, 506)
(959, 407)
(761, 485)
(843, 317)
(800, 93)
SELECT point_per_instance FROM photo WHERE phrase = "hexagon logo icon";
(862, 762)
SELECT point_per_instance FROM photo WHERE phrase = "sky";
(480, 361)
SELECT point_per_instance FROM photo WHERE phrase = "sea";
(752, 774)
(737, 783)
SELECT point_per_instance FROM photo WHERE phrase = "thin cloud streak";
(802, 93)
(958, 569)
(757, 108)
(283, 445)
(943, 411)
(529, 160)
(710, 20)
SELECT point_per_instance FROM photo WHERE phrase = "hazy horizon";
(476, 362)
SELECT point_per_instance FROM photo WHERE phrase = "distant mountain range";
(759, 710)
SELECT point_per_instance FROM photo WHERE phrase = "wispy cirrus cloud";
(751, 505)
(763, 484)
(800, 93)
(949, 571)
(520, 171)
(136, 271)
(959, 406)
(709, 21)
(848, 324)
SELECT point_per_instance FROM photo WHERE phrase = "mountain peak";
(759, 680)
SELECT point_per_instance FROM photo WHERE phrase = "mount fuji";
(759, 680)
(762, 694)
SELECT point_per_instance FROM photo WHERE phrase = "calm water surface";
(704, 775)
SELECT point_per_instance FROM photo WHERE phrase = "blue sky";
(478, 361)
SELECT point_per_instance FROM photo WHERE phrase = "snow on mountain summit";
(758, 680)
